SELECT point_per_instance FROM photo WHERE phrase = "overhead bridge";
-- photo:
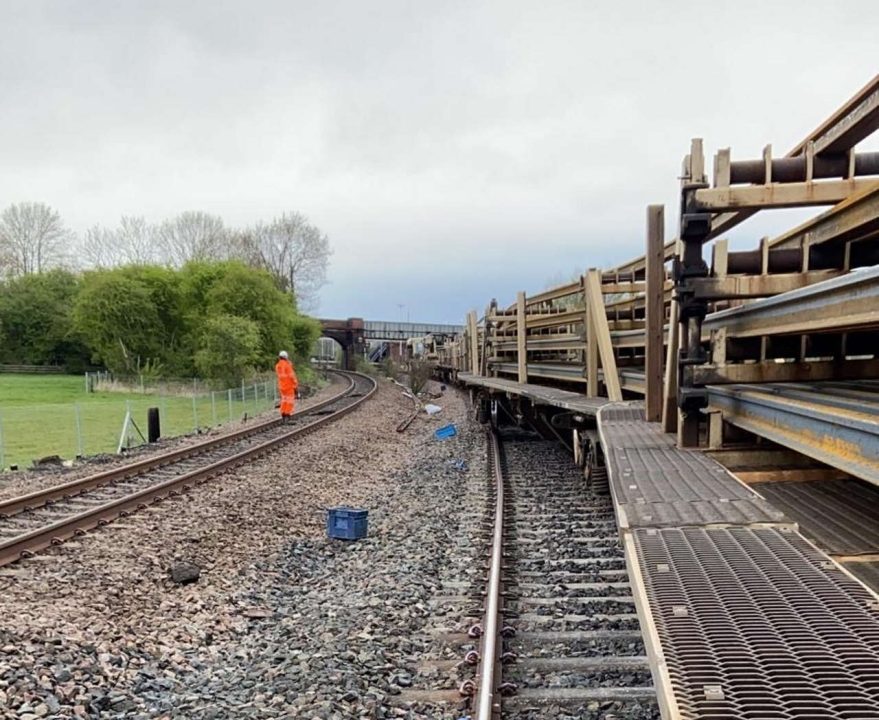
(356, 334)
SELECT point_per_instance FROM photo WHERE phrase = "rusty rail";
(55, 533)
(486, 701)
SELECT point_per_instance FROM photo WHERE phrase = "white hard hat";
(283, 354)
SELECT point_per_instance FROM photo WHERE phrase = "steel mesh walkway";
(748, 619)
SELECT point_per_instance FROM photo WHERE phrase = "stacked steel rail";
(47, 517)
(762, 366)
(675, 329)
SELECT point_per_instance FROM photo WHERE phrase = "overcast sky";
(453, 151)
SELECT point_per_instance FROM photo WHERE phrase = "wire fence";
(97, 424)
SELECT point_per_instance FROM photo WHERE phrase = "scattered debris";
(258, 612)
(445, 432)
(432, 409)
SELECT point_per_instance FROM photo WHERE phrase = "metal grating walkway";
(656, 484)
(840, 516)
(744, 618)
(753, 625)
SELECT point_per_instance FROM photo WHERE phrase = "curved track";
(35, 521)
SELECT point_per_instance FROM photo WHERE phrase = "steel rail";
(38, 498)
(847, 301)
(489, 662)
(22, 545)
(840, 432)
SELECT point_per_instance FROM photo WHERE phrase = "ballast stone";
(184, 573)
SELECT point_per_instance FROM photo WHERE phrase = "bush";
(35, 321)
(229, 349)
(420, 372)
(116, 317)
(154, 321)
(389, 368)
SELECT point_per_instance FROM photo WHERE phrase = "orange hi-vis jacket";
(287, 384)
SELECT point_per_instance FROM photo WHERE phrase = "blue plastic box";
(446, 432)
(344, 523)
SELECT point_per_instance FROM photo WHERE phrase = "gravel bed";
(19, 482)
(547, 493)
(586, 648)
(531, 678)
(282, 622)
(594, 710)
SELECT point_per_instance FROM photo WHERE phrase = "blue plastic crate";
(344, 523)
(446, 432)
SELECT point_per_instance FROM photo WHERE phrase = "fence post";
(194, 415)
(142, 391)
(255, 400)
(125, 426)
(213, 408)
(79, 449)
(2, 448)
(229, 392)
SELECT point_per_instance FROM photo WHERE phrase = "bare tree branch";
(295, 252)
(193, 236)
(139, 240)
(134, 242)
(32, 239)
(99, 248)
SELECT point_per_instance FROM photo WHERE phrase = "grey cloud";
(458, 147)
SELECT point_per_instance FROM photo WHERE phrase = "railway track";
(559, 635)
(47, 517)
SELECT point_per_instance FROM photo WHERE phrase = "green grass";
(53, 415)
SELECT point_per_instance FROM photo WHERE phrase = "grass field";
(53, 415)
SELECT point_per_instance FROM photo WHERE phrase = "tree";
(99, 248)
(32, 239)
(231, 288)
(115, 316)
(304, 334)
(193, 237)
(139, 239)
(35, 315)
(295, 252)
(229, 348)
(250, 293)
(133, 242)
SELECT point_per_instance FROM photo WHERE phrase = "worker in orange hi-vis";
(287, 384)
